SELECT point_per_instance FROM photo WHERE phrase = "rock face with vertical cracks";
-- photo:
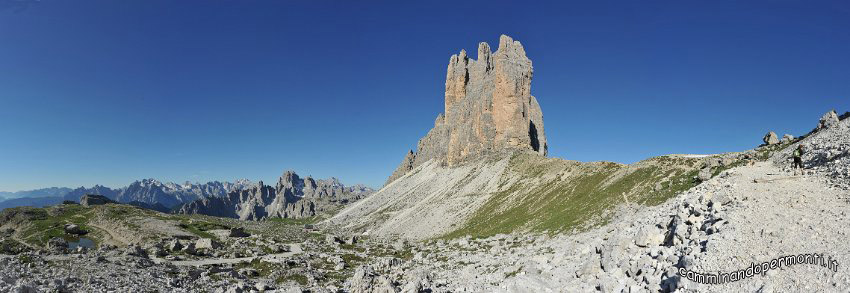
(488, 109)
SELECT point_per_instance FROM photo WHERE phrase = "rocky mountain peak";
(292, 197)
(488, 109)
(289, 180)
(242, 182)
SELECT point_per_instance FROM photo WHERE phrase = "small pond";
(82, 242)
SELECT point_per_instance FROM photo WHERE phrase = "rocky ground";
(747, 214)
(748, 210)
(186, 254)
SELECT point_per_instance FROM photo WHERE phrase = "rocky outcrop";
(488, 109)
(292, 197)
(828, 120)
(787, 138)
(94, 199)
(770, 138)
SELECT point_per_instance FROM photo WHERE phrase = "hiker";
(798, 160)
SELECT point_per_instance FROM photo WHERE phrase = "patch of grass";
(578, 202)
(322, 264)
(302, 221)
(42, 224)
(297, 278)
(337, 277)
(10, 246)
(405, 254)
(263, 268)
(679, 181)
(383, 251)
(763, 153)
(513, 273)
(352, 259)
(25, 258)
(200, 228)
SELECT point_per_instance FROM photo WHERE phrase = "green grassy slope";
(558, 196)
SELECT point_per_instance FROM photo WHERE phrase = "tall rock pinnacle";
(488, 108)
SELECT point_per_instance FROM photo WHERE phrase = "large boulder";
(488, 109)
(787, 138)
(704, 174)
(135, 250)
(75, 229)
(174, 245)
(365, 279)
(94, 199)
(190, 249)
(649, 236)
(770, 138)
(57, 245)
(828, 120)
(238, 232)
(207, 243)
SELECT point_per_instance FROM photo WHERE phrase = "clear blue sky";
(107, 92)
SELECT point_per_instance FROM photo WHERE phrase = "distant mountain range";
(147, 192)
(292, 197)
(44, 192)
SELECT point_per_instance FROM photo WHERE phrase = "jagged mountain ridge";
(150, 192)
(171, 194)
(292, 197)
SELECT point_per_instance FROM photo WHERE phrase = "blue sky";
(107, 92)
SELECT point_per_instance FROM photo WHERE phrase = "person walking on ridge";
(798, 160)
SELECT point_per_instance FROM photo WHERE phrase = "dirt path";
(779, 215)
(109, 237)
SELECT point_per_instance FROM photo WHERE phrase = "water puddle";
(82, 242)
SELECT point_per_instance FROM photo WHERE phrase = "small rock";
(248, 272)
(351, 240)
(332, 240)
(262, 286)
